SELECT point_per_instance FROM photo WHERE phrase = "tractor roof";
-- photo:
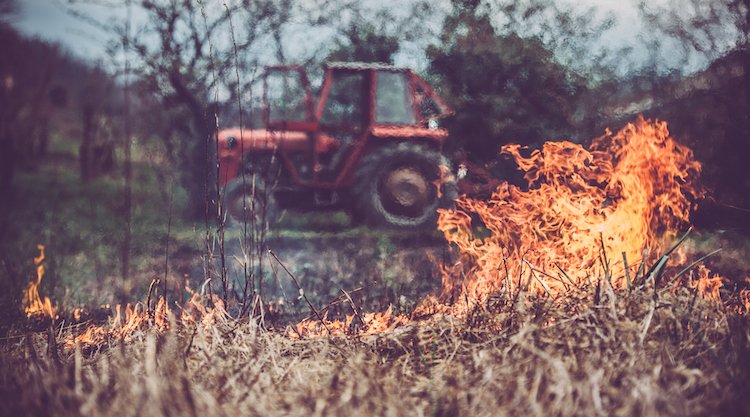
(361, 66)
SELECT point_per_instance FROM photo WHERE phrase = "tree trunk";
(84, 151)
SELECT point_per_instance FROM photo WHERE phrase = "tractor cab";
(357, 101)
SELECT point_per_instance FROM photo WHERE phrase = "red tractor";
(370, 143)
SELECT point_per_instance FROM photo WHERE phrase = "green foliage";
(504, 88)
(363, 42)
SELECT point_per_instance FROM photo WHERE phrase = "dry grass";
(630, 355)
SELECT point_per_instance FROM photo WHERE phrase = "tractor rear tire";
(259, 207)
(402, 186)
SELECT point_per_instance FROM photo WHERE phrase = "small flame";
(368, 323)
(33, 304)
(133, 319)
(707, 284)
(745, 298)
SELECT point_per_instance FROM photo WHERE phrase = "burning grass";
(33, 303)
(630, 354)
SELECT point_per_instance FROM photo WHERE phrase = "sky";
(48, 19)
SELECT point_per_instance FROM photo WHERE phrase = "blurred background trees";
(709, 109)
(504, 87)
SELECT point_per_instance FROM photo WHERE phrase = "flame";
(745, 298)
(134, 319)
(580, 207)
(621, 195)
(369, 323)
(707, 284)
(33, 304)
(583, 206)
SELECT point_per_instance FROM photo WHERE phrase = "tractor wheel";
(243, 204)
(403, 186)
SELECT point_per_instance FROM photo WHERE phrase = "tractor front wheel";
(248, 200)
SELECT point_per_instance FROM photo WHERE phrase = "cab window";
(394, 103)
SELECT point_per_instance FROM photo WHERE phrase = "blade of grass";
(657, 269)
(689, 267)
(639, 272)
(627, 270)
(565, 274)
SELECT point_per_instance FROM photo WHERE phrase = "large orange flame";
(583, 206)
(33, 304)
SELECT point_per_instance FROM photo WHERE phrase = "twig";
(647, 322)
(627, 272)
(605, 261)
(52, 346)
(356, 310)
(639, 272)
(333, 302)
(565, 274)
(189, 346)
(544, 284)
(508, 279)
(154, 283)
(166, 251)
(301, 291)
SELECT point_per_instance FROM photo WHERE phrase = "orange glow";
(745, 297)
(33, 304)
(622, 193)
(131, 320)
(373, 323)
(707, 284)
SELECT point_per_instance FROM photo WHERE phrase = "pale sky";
(47, 19)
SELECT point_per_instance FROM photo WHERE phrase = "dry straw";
(517, 354)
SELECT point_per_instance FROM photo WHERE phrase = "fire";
(585, 212)
(122, 325)
(583, 206)
(131, 320)
(368, 323)
(707, 284)
(33, 304)
(745, 297)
